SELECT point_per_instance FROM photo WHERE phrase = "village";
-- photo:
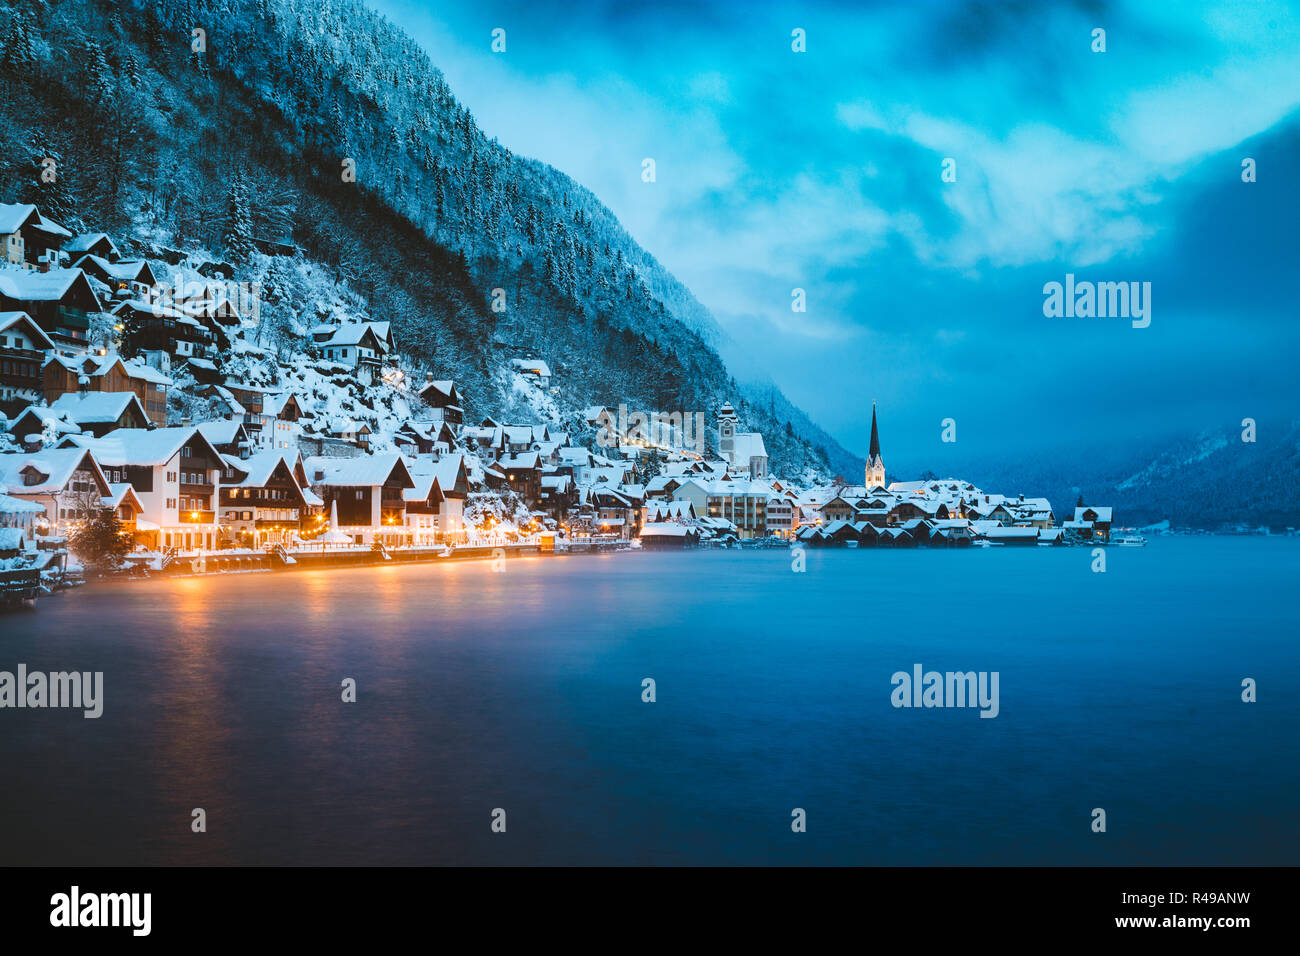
(135, 398)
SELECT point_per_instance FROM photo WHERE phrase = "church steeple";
(875, 470)
(874, 451)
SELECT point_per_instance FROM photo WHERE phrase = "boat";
(850, 543)
(1131, 541)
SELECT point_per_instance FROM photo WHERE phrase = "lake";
(522, 690)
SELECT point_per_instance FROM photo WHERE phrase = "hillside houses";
(205, 432)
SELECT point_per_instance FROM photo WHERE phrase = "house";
(535, 369)
(121, 498)
(28, 238)
(1091, 523)
(271, 417)
(425, 438)
(444, 400)
(435, 506)
(668, 535)
(523, 475)
(364, 495)
(362, 346)
(838, 508)
(262, 502)
(99, 412)
(153, 327)
(61, 302)
(559, 495)
(63, 375)
(67, 482)
(92, 244)
(23, 345)
(125, 278)
(176, 475)
(780, 516)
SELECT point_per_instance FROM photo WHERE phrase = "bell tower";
(727, 422)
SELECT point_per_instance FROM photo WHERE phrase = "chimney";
(428, 376)
(83, 384)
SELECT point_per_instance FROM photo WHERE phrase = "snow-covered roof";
(87, 241)
(126, 270)
(1103, 514)
(351, 333)
(119, 492)
(223, 431)
(142, 446)
(364, 470)
(665, 529)
(13, 216)
(88, 408)
(749, 445)
(535, 366)
(25, 285)
(56, 464)
(9, 319)
(258, 469)
(10, 505)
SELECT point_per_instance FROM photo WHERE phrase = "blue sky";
(822, 170)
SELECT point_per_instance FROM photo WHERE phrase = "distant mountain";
(1208, 480)
(207, 124)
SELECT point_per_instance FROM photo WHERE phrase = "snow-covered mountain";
(318, 126)
(1210, 480)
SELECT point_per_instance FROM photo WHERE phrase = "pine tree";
(99, 543)
(237, 235)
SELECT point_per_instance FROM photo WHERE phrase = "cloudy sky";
(821, 170)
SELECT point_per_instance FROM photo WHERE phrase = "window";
(358, 494)
(171, 502)
(185, 452)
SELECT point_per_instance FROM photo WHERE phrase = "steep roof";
(10, 319)
(23, 285)
(873, 453)
(86, 408)
(142, 446)
(55, 464)
(360, 471)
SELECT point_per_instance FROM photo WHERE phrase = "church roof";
(873, 453)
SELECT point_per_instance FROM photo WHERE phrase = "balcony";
(75, 319)
(197, 488)
(276, 522)
(198, 517)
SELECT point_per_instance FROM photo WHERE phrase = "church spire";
(873, 453)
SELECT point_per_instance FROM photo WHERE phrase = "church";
(875, 470)
(743, 451)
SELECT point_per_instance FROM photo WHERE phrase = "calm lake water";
(522, 690)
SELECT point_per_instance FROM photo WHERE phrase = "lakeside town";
(146, 430)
